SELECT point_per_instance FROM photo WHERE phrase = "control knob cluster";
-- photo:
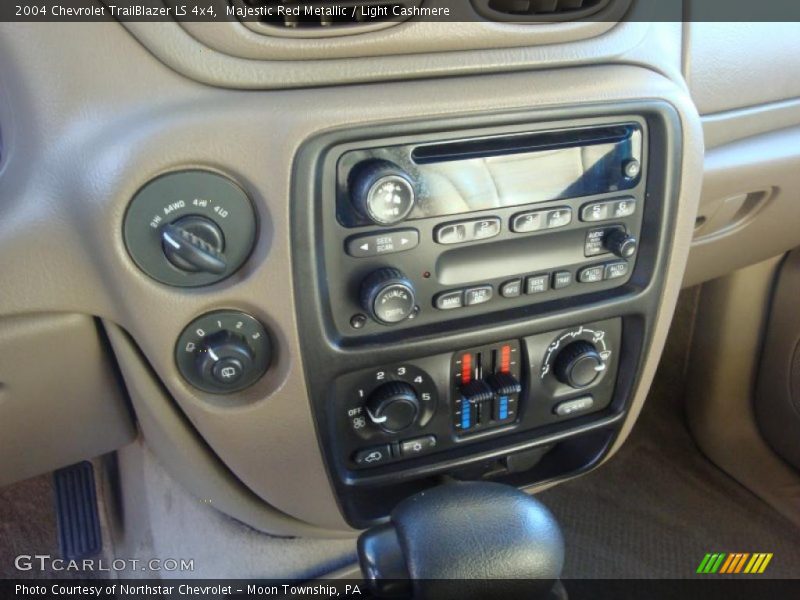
(190, 228)
(381, 192)
(579, 365)
(388, 296)
(394, 406)
(621, 243)
(223, 351)
(577, 358)
(391, 400)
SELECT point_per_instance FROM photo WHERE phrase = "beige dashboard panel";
(764, 172)
(733, 65)
(230, 55)
(98, 152)
(60, 400)
(246, 41)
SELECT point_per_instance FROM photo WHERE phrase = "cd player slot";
(511, 257)
(525, 143)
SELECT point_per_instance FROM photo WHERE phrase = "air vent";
(538, 10)
(319, 18)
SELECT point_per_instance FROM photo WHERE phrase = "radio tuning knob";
(388, 296)
(381, 192)
(620, 243)
(579, 365)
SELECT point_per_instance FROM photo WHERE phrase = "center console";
(477, 294)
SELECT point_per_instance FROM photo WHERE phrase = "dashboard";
(321, 276)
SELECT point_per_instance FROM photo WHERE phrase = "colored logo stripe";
(734, 563)
(711, 563)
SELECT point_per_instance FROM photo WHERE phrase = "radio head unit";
(386, 185)
(427, 229)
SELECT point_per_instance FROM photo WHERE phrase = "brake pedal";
(78, 522)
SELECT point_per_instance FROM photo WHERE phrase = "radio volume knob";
(388, 296)
(381, 192)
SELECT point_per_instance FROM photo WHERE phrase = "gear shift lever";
(453, 540)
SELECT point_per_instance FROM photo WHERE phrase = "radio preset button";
(624, 208)
(471, 230)
(452, 233)
(591, 274)
(483, 229)
(450, 300)
(616, 270)
(390, 242)
(596, 211)
(608, 209)
(528, 222)
(511, 289)
(537, 284)
(562, 279)
(559, 217)
(478, 295)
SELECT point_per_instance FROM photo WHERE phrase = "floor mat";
(659, 505)
(27, 522)
(28, 529)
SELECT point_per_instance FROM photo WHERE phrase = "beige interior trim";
(738, 64)
(730, 126)
(766, 164)
(721, 380)
(187, 51)
(412, 37)
(184, 454)
(60, 399)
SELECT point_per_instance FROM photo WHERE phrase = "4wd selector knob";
(579, 365)
(194, 243)
(394, 406)
(388, 296)
(381, 192)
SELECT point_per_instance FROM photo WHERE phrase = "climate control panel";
(486, 387)
(427, 407)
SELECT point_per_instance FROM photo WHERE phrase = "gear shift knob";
(451, 541)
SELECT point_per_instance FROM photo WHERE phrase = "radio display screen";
(464, 176)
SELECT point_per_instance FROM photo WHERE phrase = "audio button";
(478, 295)
(591, 274)
(388, 242)
(450, 300)
(537, 284)
(511, 289)
(484, 229)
